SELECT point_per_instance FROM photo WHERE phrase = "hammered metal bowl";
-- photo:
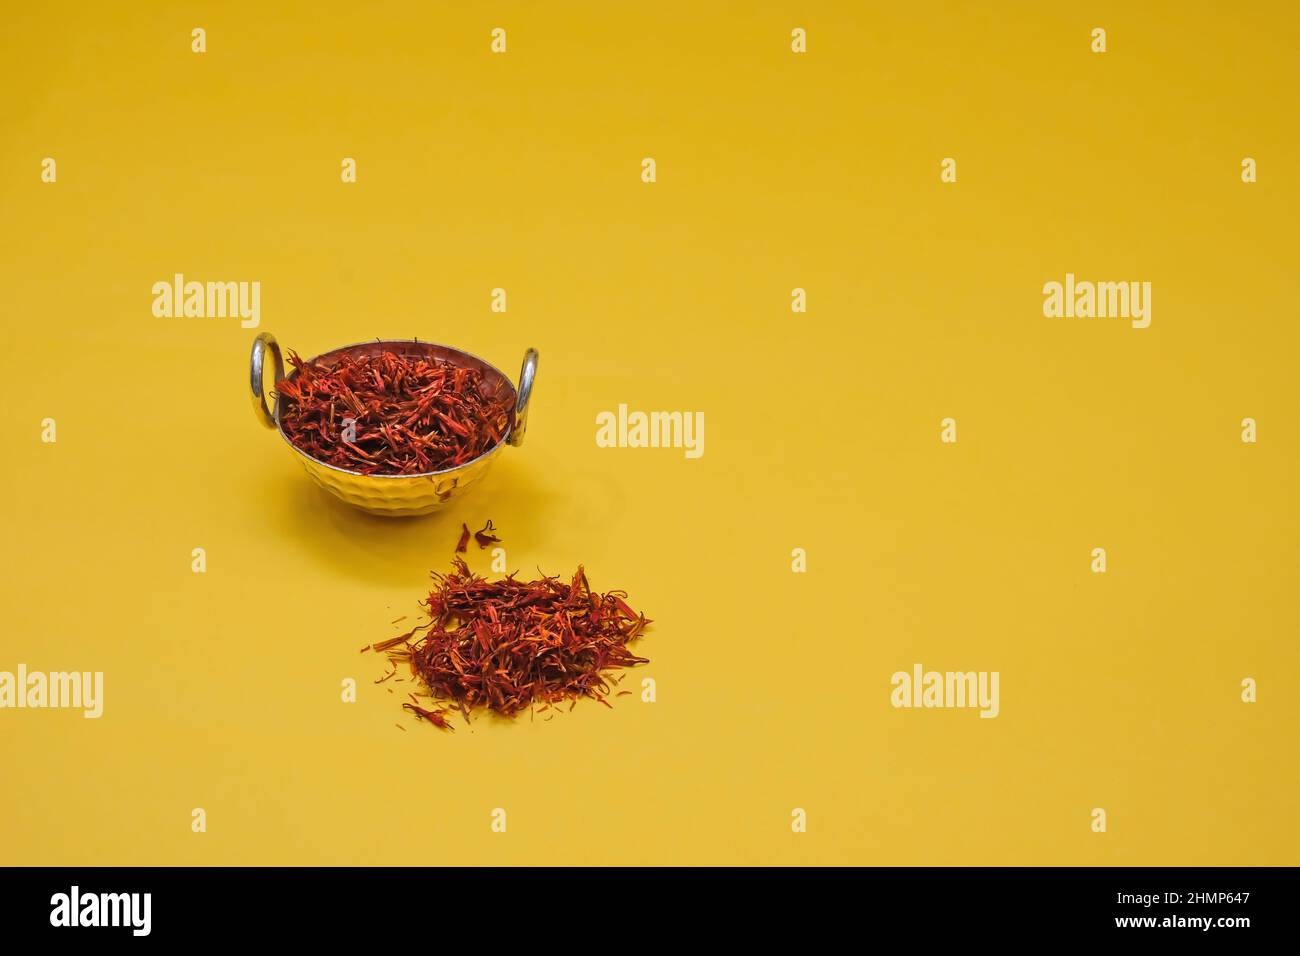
(397, 495)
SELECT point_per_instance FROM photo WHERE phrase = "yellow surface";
(775, 171)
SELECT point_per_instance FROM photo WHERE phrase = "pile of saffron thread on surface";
(510, 645)
(390, 414)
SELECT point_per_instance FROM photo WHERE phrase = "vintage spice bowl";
(397, 495)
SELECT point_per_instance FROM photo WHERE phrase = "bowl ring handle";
(527, 372)
(264, 342)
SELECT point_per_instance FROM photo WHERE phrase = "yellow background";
(775, 171)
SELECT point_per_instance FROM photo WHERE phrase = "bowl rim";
(420, 474)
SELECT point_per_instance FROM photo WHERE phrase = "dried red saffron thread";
(509, 645)
(410, 414)
(483, 538)
(463, 544)
(436, 717)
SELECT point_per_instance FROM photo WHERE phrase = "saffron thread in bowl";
(390, 414)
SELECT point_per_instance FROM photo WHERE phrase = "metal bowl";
(397, 495)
